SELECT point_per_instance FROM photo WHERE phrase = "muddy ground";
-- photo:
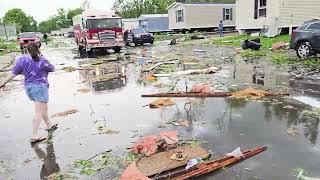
(218, 124)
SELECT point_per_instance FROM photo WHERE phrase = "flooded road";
(114, 101)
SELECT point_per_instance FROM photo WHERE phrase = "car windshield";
(138, 31)
(29, 35)
(103, 23)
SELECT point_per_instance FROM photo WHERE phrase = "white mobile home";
(130, 23)
(197, 15)
(154, 22)
(274, 15)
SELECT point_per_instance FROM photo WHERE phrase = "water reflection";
(310, 123)
(201, 110)
(50, 166)
(192, 110)
(261, 74)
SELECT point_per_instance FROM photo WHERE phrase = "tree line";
(25, 23)
(134, 8)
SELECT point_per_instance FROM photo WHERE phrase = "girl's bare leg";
(45, 116)
(36, 120)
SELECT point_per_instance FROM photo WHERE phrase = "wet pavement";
(114, 101)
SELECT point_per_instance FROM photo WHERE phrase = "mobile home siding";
(199, 16)
(245, 14)
(173, 24)
(295, 12)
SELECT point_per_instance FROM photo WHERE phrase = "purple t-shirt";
(35, 72)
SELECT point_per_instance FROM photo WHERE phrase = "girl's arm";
(9, 78)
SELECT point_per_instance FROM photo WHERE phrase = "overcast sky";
(42, 9)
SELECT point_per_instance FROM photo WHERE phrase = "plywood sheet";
(161, 162)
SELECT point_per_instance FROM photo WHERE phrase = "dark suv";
(138, 36)
(306, 39)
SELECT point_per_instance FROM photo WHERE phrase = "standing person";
(45, 37)
(35, 69)
(220, 28)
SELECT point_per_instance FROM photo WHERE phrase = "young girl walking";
(35, 69)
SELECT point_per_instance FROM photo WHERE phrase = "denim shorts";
(38, 92)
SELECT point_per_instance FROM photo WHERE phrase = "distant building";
(8, 31)
(130, 23)
(154, 22)
(198, 15)
(274, 15)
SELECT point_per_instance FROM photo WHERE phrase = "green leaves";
(62, 19)
(23, 22)
(134, 8)
(85, 167)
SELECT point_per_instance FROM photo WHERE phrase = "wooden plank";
(161, 162)
(189, 94)
(207, 167)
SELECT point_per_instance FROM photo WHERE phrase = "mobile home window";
(227, 14)
(179, 15)
(260, 8)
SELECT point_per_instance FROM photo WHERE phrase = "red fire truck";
(98, 30)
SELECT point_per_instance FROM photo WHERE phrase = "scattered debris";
(201, 88)
(173, 41)
(210, 70)
(161, 162)
(181, 122)
(251, 44)
(193, 37)
(149, 145)
(249, 93)
(69, 69)
(254, 94)
(301, 175)
(65, 113)
(133, 173)
(280, 45)
(235, 153)
(152, 67)
(106, 130)
(199, 50)
(84, 90)
(189, 94)
(289, 107)
(293, 131)
(150, 78)
(207, 167)
(161, 103)
(193, 162)
(179, 156)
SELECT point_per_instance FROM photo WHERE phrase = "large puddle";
(114, 101)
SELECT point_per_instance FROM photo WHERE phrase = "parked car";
(138, 36)
(26, 37)
(69, 34)
(306, 39)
